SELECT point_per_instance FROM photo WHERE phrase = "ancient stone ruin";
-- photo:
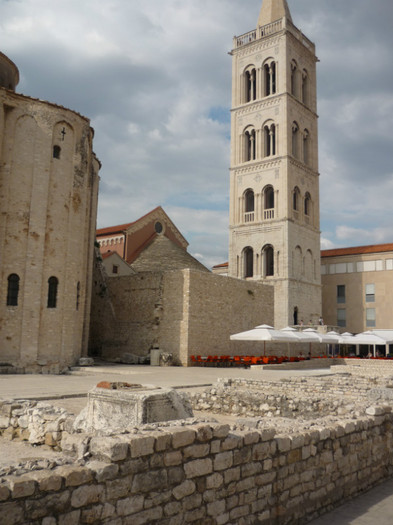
(255, 452)
(121, 406)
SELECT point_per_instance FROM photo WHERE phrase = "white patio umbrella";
(330, 338)
(299, 337)
(263, 333)
(367, 338)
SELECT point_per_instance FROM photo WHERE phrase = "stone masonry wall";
(205, 474)
(182, 312)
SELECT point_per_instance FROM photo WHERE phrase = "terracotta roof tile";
(358, 250)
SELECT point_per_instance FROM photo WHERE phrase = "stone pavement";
(373, 508)
(81, 380)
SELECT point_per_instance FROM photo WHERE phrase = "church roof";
(273, 10)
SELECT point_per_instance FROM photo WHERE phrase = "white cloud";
(150, 74)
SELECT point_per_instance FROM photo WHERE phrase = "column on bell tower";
(274, 158)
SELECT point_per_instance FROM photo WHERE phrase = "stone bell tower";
(274, 179)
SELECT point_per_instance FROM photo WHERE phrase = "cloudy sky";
(154, 77)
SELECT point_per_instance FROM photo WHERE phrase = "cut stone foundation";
(113, 406)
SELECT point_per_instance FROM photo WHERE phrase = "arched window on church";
(268, 260)
(269, 133)
(268, 202)
(53, 283)
(270, 81)
(306, 147)
(294, 75)
(13, 290)
(305, 87)
(249, 145)
(248, 255)
(250, 84)
(295, 140)
(249, 203)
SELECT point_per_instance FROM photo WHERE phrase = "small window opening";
(13, 290)
(78, 294)
(56, 152)
(52, 292)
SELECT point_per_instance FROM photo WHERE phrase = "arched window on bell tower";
(269, 77)
(250, 84)
(248, 259)
(249, 145)
(306, 147)
(294, 77)
(249, 203)
(295, 140)
(295, 199)
(268, 202)
(307, 205)
(268, 260)
(305, 87)
(270, 140)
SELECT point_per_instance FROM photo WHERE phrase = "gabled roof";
(358, 250)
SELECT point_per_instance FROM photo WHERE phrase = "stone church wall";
(48, 204)
(182, 312)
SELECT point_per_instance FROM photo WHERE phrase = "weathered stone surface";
(86, 495)
(141, 446)
(198, 467)
(131, 505)
(137, 404)
(114, 449)
(185, 489)
(145, 482)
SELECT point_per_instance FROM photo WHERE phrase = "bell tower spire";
(273, 10)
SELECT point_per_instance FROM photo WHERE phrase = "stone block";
(118, 488)
(182, 437)
(21, 486)
(86, 495)
(162, 441)
(192, 502)
(4, 493)
(231, 442)
(196, 451)
(103, 471)
(198, 467)
(173, 458)
(111, 448)
(185, 489)
(47, 480)
(173, 508)
(148, 481)
(216, 508)
(71, 518)
(142, 446)
(74, 475)
(11, 513)
(129, 506)
(283, 443)
(220, 431)
(215, 481)
(204, 433)
(223, 461)
(146, 517)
